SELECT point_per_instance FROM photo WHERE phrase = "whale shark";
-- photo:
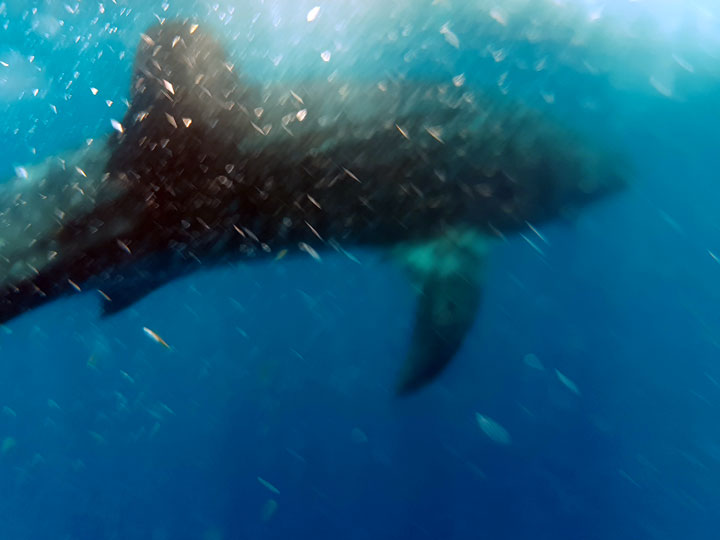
(209, 168)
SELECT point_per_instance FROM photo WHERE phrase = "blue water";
(284, 371)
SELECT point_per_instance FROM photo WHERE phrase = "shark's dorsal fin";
(187, 105)
(448, 275)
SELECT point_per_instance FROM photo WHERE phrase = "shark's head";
(539, 171)
(569, 182)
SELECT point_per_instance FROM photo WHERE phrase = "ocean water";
(584, 404)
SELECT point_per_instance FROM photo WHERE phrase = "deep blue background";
(275, 367)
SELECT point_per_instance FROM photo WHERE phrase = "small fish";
(567, 382)
(269, 509)
(314, 231)
(307, 248)
(294, 454)
(122, 245)
(435, 133)
(532, 244)
(268, 485)
(7, 411)
(660, 87)
(105, 296)
(537, 233)
(498, 16)
(351, 175)
(492, 429)
(155, 337)
(358, 436)
(167, 409)
(533, 361)
(402, 132)
(297, 97)
(97, 438)
(7, 445)
(147, 39)
(450, 36)
(154, 430)
(74, 285)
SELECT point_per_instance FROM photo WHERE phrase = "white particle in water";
(498, 17)
(313, 13)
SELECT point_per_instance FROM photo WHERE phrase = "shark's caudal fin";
(34, 210)
(448, 276)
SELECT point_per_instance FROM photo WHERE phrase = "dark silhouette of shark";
(207, 169)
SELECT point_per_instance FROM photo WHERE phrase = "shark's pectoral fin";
(448, 275)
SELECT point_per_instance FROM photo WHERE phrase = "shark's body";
(205, 169)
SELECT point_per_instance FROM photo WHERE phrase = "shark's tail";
(35, 208)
